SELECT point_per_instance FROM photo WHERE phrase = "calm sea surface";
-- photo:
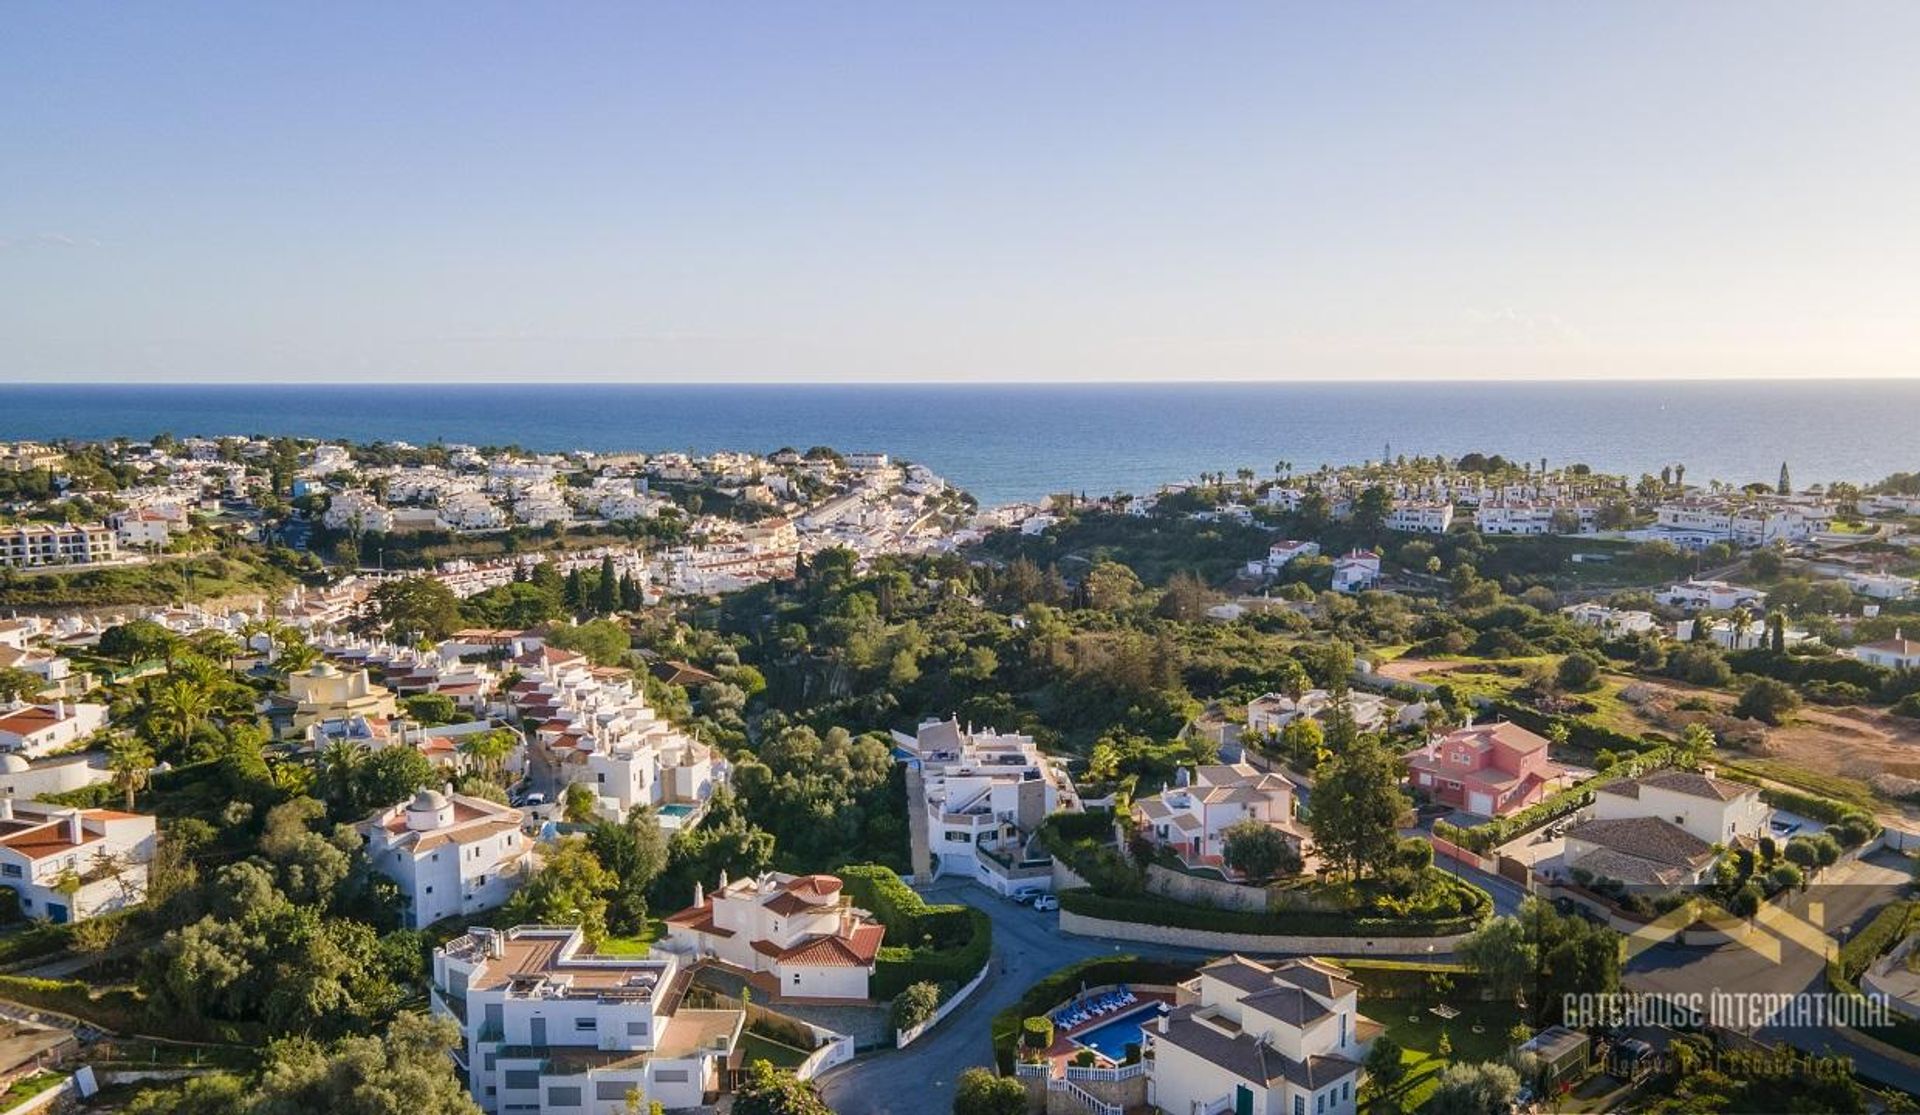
(1007, 443)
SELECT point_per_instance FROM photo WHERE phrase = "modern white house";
(1272, 712)
(800, 932)
(1897, 653)
(1254, 1039)
(36, 730)
(550, 1028)
(1882, 586)
(984, 795)
(68, 864)
(451, 855)
(1189, 817)
(1611, 622)
(1718, 595)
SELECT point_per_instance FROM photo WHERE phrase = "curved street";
(1027, 946)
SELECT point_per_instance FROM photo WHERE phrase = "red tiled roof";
(854, 950)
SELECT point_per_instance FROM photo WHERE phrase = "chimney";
(6, 809)
(497, 944)
(1709, 770)
(76, 832)
(1161, 1024)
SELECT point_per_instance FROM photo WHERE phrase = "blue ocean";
(1006, 443)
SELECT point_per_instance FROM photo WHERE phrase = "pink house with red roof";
(1488, 769)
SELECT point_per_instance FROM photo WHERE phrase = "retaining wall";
(1082, 926)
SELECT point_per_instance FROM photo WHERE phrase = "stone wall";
(1082, 926)
(1192, 890)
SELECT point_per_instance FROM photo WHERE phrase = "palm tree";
(185, 705)
(294, 654)
(338, 762)
(131, 762)
(487, 750)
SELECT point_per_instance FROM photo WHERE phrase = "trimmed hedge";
(949, 944)
(1306, 923)
(1062, 985)
(1482, 838)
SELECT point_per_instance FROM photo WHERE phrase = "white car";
(1046, 902)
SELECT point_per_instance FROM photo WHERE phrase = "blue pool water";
(1110, 1039)
(677, 809)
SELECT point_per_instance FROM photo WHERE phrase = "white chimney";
(699, 894)
(6, 809)
(76, 832)
(1161, 1025)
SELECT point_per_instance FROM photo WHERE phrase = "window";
(796, 979)
(637, 1030)
(1346, 1090)
(11, 870)
(1299, 1105)
(586, 1024)
(615, 1090)
(522, 1078)
(563, 1096)
(670, 1076)
(1319, 1103)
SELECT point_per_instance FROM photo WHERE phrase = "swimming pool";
(676, 809)
(1110, 1039)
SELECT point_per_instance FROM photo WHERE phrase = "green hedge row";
(1306, 923)
(1064, 984)
(1825, 810)
(939, 944)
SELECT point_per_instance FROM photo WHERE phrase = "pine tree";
(1357, 805)
(576, 592)
(1786, 487)
(631, 599)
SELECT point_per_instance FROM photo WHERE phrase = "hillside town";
(618, 783)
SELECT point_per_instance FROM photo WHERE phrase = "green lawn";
(753, 1048)
(1419, 1038)
(636, 945)
(30, 1086)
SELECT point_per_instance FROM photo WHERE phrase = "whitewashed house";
(102, 854)
(451, 855)
(549, 1027)
(800, 930)
(1254, 1039)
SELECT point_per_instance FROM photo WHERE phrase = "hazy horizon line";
(726, 381)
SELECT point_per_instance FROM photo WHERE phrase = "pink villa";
(1488, 769)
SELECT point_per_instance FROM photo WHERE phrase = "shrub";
(1036, 1032)
(1768, 701)
(1578, 672)
(915, 1005)
(934, 944)
(1470, 906)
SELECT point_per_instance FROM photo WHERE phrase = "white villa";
(1897, 653)
(1718, 595)
(984, 795)
(1421, 516)
(549, 1027)
(1254, 1039)
(1662, 828)
(451, 855)
(801, 931)
(104, 850)
(1189, 817)
(596, 728)
(36, 730)
(1611, 622)
(1356, 571)
(1272, 712)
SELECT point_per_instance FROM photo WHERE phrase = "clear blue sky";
(960, 191)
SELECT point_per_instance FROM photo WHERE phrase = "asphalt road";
(1846, 902)
(1027, 945)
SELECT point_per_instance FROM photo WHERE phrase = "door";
(56, 913)
(539, 1033)
(1242, 1100)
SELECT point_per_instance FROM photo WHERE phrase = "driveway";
(1027, 946)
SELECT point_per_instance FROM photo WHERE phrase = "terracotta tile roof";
(854, 950)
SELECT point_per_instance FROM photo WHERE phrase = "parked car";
(1024, 895)
(1046, 902)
